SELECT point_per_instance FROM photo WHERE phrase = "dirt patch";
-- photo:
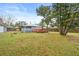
(73, 39)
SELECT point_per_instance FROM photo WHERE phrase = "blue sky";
(22, 11)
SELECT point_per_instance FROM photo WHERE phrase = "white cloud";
(33, 20)
(21, 13)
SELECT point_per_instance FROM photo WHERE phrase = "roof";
(29, 25)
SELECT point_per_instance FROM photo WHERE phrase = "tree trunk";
(66, 30)
(42, 24)
(47, 27)
(63, 31)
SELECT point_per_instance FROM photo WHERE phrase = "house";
(40, 30)
(33, 28)
(3, 29)
(10, 28)
(27, 28)
(2, 26)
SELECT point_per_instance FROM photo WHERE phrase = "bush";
(53, 29)
(76, 30)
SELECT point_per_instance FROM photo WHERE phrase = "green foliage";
(66, 12)
(42, 23)
(42, 10)
(67, 15)
(45, 12)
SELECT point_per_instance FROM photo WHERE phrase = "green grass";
(39, 44)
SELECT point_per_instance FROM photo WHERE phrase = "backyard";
(39, 44)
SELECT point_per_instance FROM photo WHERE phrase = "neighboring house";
(33, 28)
(27, 28)
(2, 26)
(40, 30)
(10, 28)
(3, 29)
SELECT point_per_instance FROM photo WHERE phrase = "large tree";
(67, 15)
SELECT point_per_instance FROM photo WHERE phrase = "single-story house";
(33, 28)
(27, 28)
(3, 29)
(10, 28)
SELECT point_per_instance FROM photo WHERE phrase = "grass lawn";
(39, 44)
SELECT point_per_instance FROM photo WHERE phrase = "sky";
(22, 11)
